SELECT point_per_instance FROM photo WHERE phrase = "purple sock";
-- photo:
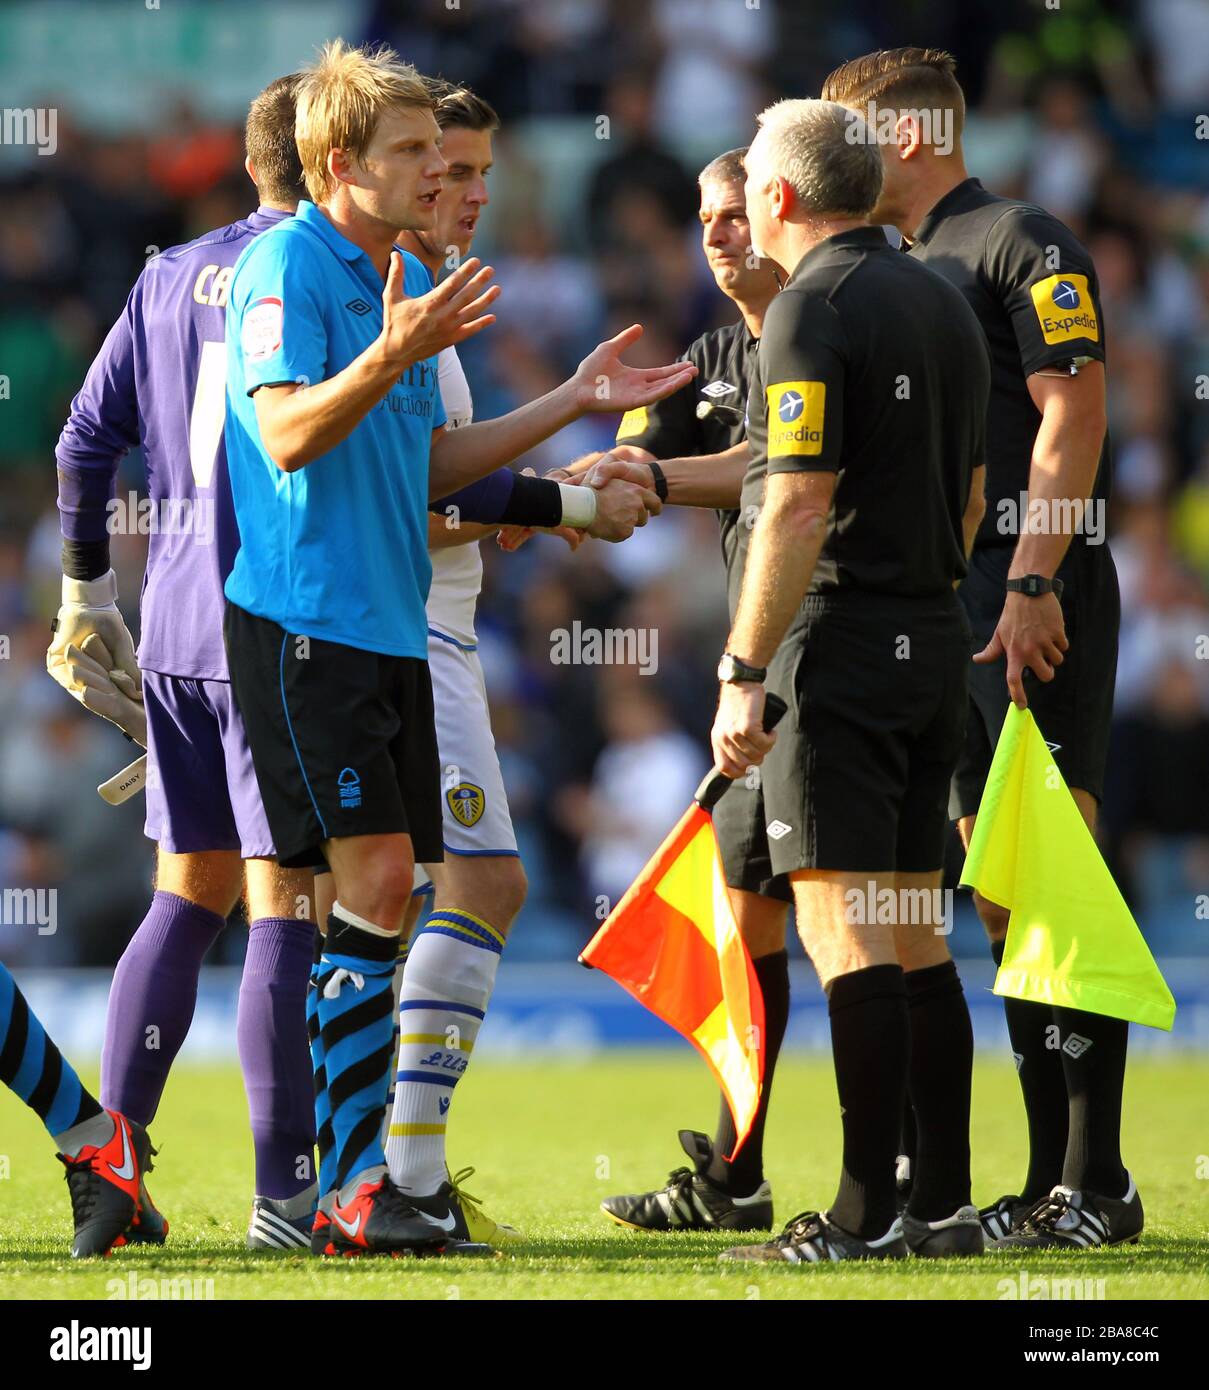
(275, 1054)
(151, 1002)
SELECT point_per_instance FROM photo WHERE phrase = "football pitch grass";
(550, 1140)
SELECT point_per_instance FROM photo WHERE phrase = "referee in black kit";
(866, 426)
(692, 450)
(1042, 590)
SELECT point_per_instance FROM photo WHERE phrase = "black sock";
(942, 1064)
(870, 1039)
(746, 1173)
(908, 1142)
(1043, 1085)
(1093, 1059)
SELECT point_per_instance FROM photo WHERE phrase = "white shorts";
(474, 806)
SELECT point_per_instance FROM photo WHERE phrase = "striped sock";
(33, 1067)
(396, 990)
(355, 1027)
(325, 1139)
(448, 981)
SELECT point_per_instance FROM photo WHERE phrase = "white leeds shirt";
(457, 570)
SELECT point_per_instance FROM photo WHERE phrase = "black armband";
(86, 559)
(534, 502)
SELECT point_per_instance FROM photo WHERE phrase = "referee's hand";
(738, 738)
(1031, 633)
(413, 329)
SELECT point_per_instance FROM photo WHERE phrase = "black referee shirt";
(873, 368)
(1034, 290)
(705, 417)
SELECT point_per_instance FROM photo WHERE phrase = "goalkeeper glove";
(90, 605)
(89, 674)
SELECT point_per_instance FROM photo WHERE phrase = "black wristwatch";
(659, 478)
(732, 670)
(1034, 585)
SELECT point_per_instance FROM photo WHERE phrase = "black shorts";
(743, 843)
(858, 780)
(1074, 710)
(343, 740)
(739, 816)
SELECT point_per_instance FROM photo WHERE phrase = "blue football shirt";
(339, 549)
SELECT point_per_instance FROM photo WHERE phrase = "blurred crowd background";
(609, 109)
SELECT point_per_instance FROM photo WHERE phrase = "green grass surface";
(550, 1141)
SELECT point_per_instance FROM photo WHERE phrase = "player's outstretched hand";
(1031, 633)
(738, 739)
(89, 674)
(603, 381)
(453, 311)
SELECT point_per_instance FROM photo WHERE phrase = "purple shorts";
(201, 787)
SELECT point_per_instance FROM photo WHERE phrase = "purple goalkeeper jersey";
(159, 381)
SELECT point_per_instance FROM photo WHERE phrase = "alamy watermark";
(610, 646)
(900, 907)
(133, 515)
(1040, 1287)
(181, 1288)
(30, 125)
(1053, 516)
(30, 907)
(878, 125)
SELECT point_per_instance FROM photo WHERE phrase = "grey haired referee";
(866, 424)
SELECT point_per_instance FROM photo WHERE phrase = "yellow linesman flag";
(1071, 939)
(672, 942)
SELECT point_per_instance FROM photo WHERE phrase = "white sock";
(396, 985)
(447, 982)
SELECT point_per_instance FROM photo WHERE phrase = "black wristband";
(659, 478)
(534, 502)
(86, 559)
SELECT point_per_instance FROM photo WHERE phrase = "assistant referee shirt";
(1033, 288)
(338, 549)
(707, 416)
(873, 368)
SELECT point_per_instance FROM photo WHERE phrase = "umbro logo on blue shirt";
(358, 306)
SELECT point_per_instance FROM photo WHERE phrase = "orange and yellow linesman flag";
(673, 944)
(1071, 939)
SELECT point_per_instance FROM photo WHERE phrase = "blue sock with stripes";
(356, 1026)
(325, 1139)
(448, 980)
(33, 1067)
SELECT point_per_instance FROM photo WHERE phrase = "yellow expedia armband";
(795, 417)
(1065, 309)
(632, 422)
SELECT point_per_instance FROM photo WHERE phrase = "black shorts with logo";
(739, 817)
(343, 740)
(1074, 710)
(859, 777)
(743, 843)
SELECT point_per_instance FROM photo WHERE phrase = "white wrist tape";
(91, 593)
(579, 505)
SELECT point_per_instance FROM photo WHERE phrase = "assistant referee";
(1042, 592)
(694, 442)
(866, 424)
